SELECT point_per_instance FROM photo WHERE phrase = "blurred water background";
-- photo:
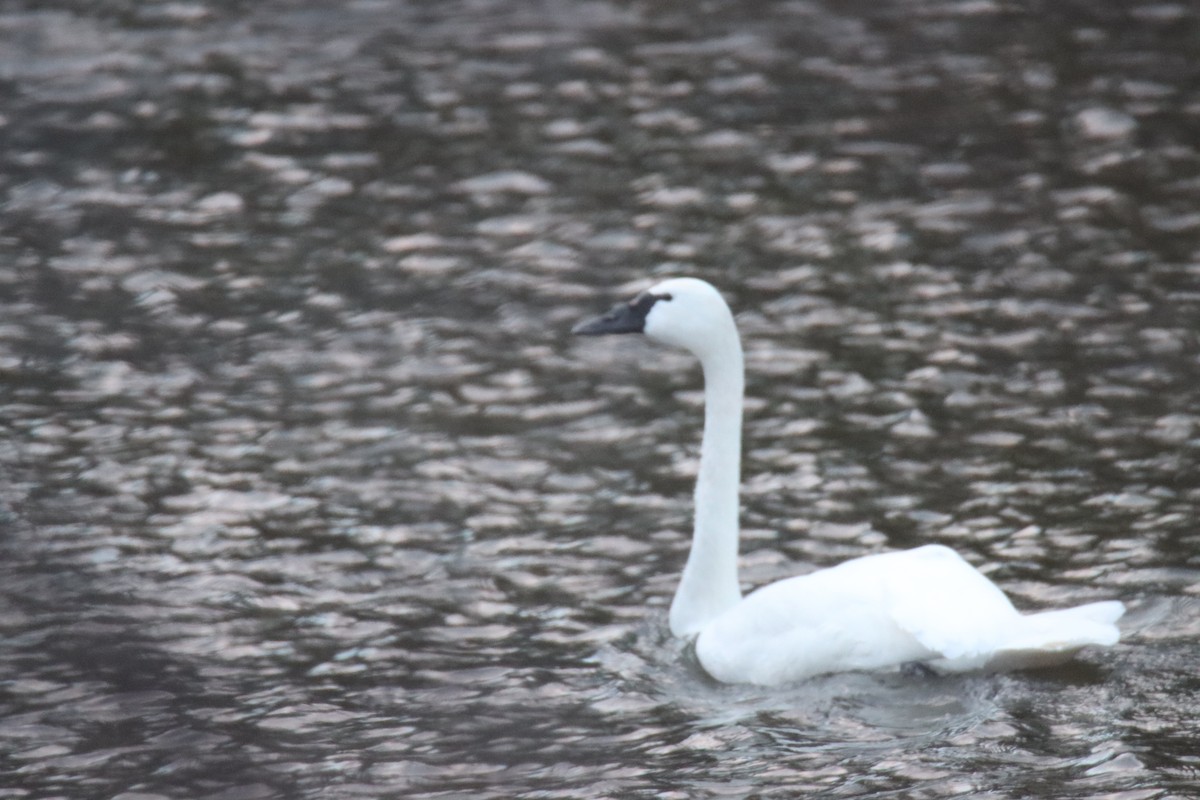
(305, 492)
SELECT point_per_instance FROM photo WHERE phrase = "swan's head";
(683, 312)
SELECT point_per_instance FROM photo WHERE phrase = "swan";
(926, 605)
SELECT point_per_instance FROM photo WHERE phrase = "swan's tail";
(1052, 637)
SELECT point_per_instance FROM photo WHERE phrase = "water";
(308, 493)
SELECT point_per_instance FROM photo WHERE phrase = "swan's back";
(925, 605)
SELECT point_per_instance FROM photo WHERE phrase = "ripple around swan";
(305, 492)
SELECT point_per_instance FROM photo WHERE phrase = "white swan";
(925, 605)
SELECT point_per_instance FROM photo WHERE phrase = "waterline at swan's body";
(926, 605)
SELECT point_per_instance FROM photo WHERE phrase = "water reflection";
(305, 492)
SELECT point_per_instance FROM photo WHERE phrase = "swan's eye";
(645, 301)
(642, 303)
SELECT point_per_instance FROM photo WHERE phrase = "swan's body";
(925, 605)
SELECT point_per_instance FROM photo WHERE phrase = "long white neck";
(709, 585)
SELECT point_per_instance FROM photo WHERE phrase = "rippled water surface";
(306, 492)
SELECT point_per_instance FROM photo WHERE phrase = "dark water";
(307, 493)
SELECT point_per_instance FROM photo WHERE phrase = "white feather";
(926, 605)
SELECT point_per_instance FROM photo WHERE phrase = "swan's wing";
(946, 604)
(866, 613)
(926, 604)
(831, 620)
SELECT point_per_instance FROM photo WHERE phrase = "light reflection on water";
(306, 492)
